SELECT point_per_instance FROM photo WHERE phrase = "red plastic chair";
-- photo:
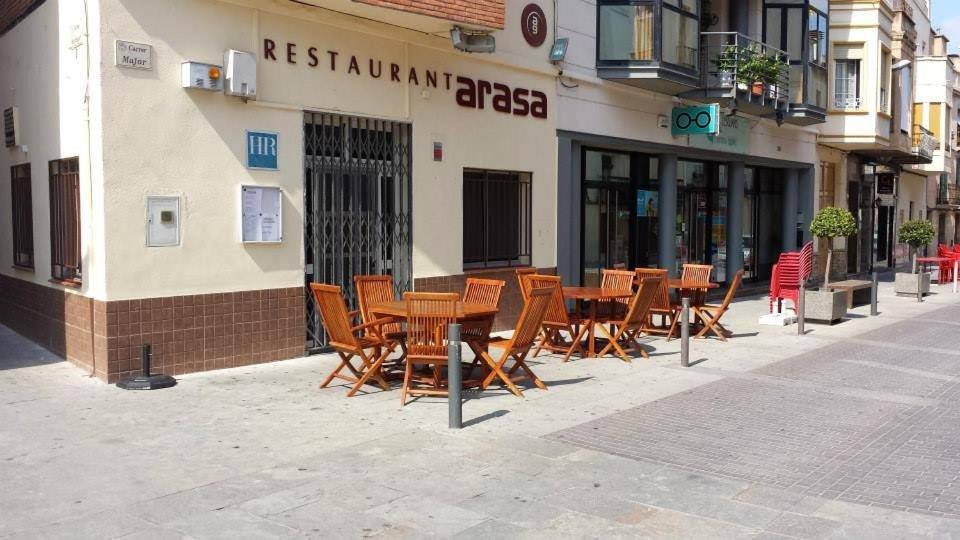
(945, 274)
(792, 268)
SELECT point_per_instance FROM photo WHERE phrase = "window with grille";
(22, 213)
(846, 84)
(496, 218)
(65, 219)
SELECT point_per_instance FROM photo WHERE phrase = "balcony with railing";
(922, 144)
(743, 74)
(949, 195)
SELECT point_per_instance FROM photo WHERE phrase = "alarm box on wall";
(240, 74)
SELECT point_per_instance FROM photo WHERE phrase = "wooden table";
(850, 286)
(465, 311)
(677, 283)
(594, 295)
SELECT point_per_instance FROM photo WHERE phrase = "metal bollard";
(873, 296)
(956, 268)
(685, 333)
(454, 377)
(801, 309)
(145, 355)
(920, 286)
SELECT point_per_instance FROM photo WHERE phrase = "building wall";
(481, 12)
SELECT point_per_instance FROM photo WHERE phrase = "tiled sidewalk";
(771, 434)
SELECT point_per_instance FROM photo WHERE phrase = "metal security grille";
(357, 199)
(65, 219)
(22, 206)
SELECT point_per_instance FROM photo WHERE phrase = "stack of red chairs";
(792, 269)
(946, 267)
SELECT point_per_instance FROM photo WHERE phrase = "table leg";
(591, 348)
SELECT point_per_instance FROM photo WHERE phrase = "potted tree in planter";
(829, 223)
(915, 233)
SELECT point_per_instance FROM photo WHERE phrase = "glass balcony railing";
(923, 143)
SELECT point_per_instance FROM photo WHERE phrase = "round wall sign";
(534, 25)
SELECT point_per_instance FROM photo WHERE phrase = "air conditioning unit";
(11, 127)
(240, 74)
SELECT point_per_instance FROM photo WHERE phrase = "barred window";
(65, 220)
(22, 211)
(496, 218)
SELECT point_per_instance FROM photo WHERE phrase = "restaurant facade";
(181, 170)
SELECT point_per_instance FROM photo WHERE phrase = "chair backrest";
(732, 291)
(641, 302)
(334, 314)
(522, 274)
(662, 299)
(528, 325)
(483, 291)
(617, 279)
(556, 314)
(373, 290)
(697, 273)
(806, 261)
(428, 317)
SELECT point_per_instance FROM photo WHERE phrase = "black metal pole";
(685, 333)
(145, 360)
(802, 309)
(873, 296)
(454, 377)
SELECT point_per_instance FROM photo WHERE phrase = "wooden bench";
(851, 287)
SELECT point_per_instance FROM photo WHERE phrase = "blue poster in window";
(647, 203)
(262, 149)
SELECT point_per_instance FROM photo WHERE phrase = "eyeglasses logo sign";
(698, 120)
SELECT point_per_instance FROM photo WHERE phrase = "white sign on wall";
(261, 219)
(133, 55)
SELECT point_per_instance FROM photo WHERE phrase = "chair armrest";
(372, 324)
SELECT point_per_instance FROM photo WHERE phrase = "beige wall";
(43, 72)
(164, 140)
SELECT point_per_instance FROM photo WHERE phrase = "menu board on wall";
(260, 214)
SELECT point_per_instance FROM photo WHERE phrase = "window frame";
(21, 214)
(657, 60)
(806, 8)
(524, 212)
(857, 79)
(66, 253)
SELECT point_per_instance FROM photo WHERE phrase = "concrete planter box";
(824, 306)
(906, 284)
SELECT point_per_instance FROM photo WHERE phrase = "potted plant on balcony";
(773, 70)
(823, 304)
(751, 70)
(915, 233)
(726, 65)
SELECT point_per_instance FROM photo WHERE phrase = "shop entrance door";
(357, 200)
(606, 219)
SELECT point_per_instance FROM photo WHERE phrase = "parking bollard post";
(873, 296)
(685, 333)
(454, 377)
(801, 309)
(920, 285)
(956, 268)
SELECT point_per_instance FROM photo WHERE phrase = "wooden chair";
(428, 317)
(620, 280)
(710, 314)
(522, 274)
(485, 292)
(373, 290)
(631, 326)
(518, 346)
(350, 341)
(661, 301)
(696, 273)
(557, 320)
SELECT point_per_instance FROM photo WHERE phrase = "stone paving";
(848, 432)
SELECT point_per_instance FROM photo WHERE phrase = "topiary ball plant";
(829, 223)
(916, 233)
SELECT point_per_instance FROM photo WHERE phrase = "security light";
(901, 64)
(472, 43)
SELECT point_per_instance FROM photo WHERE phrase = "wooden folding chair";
(557, 320)
(428, 317)
(485, 292)
(621, 280)
(378, 289)
(711, 314)
(661, 302)
(630, 328)
(694, 273)
(351, 341)
(522, 274)
(518, 346)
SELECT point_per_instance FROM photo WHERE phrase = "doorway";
(357, 206)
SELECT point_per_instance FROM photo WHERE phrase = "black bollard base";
(153, 382)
